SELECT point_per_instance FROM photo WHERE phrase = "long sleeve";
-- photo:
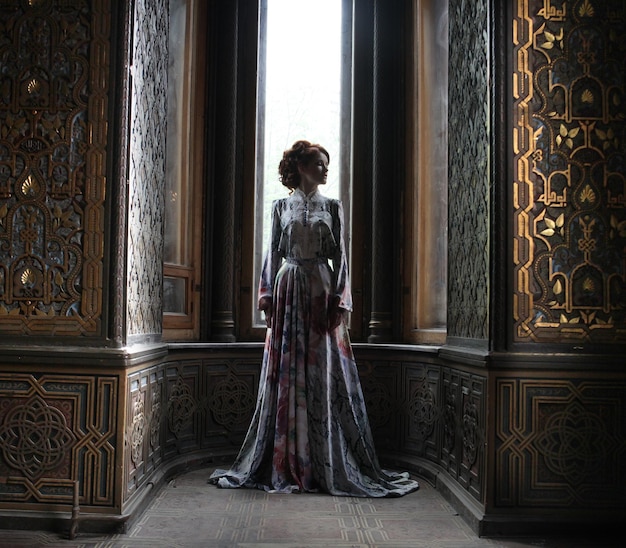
(273, 256)
(340, 260)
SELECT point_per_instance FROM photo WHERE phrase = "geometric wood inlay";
(560, 443)
(55, 430)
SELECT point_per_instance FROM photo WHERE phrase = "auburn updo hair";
(301, 152)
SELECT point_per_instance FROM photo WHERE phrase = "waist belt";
(307, 262)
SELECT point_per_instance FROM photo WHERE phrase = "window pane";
(174, 295)
(299, 98)
(174, 176)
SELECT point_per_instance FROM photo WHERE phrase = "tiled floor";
(189, 512)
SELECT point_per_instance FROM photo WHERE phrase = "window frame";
(420, 310)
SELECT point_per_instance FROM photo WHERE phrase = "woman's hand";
(335, 314)
(265, 304)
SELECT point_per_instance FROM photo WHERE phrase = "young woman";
(310, 430)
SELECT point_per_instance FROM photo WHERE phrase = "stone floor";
(189, 512)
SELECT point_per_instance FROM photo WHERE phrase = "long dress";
(310, 430)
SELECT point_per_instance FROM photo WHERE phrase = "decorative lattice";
(155, 417)
(469, 177)
(146, 200)
(472, 432)
(378, 402)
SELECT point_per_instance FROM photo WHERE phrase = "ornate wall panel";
(421, 410)
(147, 167)
(231, 387)
(56, 430)
(462, 430)
(143, 436)
(560, 443)
(569, 188)
(415, 409)
(186, 406)
(54, 80)
(208, 403)
(469, 170)
(380, 384)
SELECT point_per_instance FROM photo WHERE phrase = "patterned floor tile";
(190, 513)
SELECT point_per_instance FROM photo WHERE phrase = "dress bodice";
(306, 226)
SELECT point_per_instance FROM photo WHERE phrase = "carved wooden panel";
(560, 443)
(569, 188)
(54, 81)
(208, 404)
(469, 170)
(143, 435)
(463, 428)
(420, 396)
(379, 383)
(56, 430)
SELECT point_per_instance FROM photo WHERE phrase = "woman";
(310, 430)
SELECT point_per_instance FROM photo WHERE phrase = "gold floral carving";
(569, 188)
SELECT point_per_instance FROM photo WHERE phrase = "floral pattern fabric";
(310, 430)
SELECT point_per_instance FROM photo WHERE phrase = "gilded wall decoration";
(564, 446)
(469, 170)
(54, 79)
(569, 188)
(146, 189)
(56, 430)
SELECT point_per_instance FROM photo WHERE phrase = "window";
(183, 173)
(302, 77)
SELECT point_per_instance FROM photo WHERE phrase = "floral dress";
(310, 430)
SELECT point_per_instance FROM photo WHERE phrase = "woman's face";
(314, 172)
